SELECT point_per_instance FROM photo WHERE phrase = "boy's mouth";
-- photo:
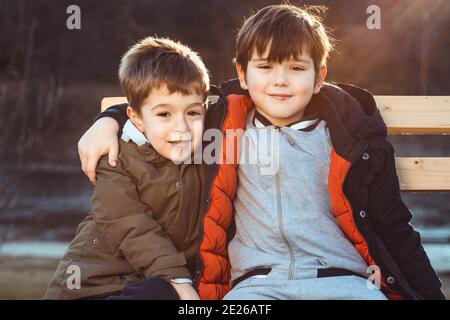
(280, 96)
(179, 142)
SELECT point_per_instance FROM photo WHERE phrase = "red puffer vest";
(214, 280)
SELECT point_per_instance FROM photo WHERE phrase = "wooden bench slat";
(415, 114)
(402, 114)
(423, 173)
(110, 101)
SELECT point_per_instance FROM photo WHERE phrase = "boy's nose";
(281, 78)
(181, 125)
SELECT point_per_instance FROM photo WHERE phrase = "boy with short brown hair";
(140, 239)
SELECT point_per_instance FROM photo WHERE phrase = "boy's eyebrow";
(169, 105)
(302, 60)
(296, 59)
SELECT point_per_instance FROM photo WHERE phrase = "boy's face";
(281, 92)
(172, 122)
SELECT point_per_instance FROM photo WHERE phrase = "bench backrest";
(405, 115)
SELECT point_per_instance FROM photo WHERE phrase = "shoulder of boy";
(104, 166)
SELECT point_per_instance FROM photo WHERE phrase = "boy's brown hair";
(155, 62)
(288, 29)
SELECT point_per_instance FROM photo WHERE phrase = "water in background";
(40, 209)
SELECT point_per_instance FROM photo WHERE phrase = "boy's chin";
(180, 156)
(284, 113)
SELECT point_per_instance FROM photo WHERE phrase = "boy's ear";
(320, 79)
(241, 76)
(135, 118)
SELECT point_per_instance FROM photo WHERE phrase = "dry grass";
(25, 277)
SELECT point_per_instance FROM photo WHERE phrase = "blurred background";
(52, 80)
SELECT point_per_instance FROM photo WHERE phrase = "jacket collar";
(351, 115)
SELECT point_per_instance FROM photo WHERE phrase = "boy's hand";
(186, 291)
(100, 139)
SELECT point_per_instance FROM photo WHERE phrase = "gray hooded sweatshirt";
(282, 210)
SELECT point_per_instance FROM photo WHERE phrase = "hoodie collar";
(307, 123)
(130, 132)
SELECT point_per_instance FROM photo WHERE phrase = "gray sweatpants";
(328, 288)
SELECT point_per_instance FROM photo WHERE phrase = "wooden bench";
(405, 115)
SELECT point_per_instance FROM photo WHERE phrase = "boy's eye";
(163, 114)
(297, 68)
(193, 113)
(265, 66)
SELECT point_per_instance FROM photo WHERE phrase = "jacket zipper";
(280, 221)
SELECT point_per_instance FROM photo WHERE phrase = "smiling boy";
(140, 238)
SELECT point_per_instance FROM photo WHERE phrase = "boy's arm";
(185, 291)
(118, 112)
(102, 139)
(394, 229)
(129, 228)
